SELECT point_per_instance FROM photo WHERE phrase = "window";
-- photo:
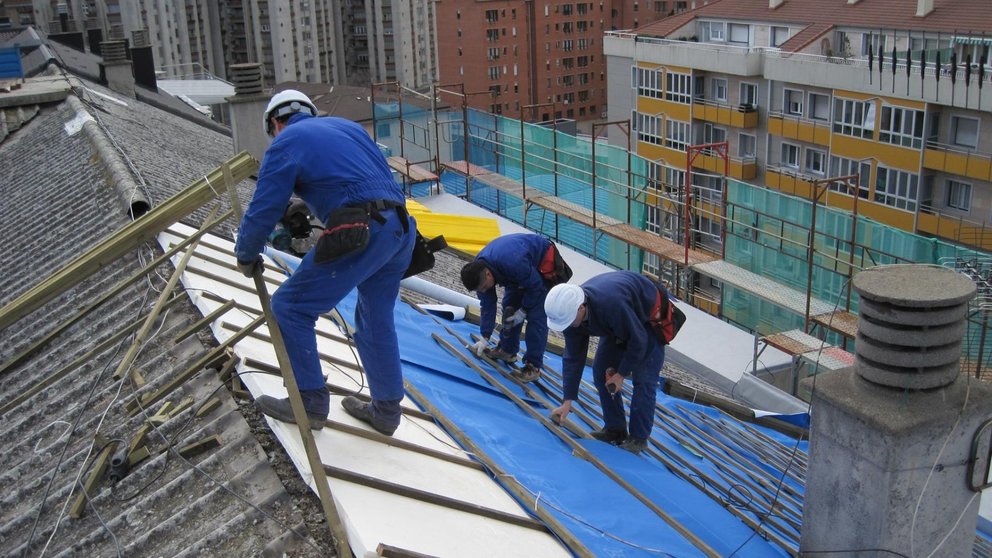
(676, 135)
(854, 118)
(840, 166)
(745, 145)
(740, 34)
(567, 45)
(713, 134)
(712, 31)
(792, 102)
(492, 16)
(749, 94)
(647, 82)
(964, 131)
(816, 162)
(718, 89)
(493, 53)
(901, 126)
(819, 106)
(678, 87)
(790, 155)
(648, 127)
(779, 35)
(896, 188)
(493, 72)
(871, 42)
(958, 195)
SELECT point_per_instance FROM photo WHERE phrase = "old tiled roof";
(59, 406)
(948, 16)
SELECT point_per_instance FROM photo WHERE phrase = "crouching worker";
(336, 168)
(617, 307)
(526, 265)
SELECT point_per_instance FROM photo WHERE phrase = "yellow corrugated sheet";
(467, 234)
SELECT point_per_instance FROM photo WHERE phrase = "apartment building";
(804, 90)
(528, 53)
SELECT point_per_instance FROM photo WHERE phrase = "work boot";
(366, 413)
(315, 401)
(500, 354)
(634, 445)
(526, 374)
(612, 437)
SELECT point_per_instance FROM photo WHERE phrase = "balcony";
(743, 116)
(792, 127)
(741, 169)
(709, 57)
(954, 227)
(955, 160)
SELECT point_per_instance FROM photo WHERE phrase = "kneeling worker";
(617, 307)
(527, 265)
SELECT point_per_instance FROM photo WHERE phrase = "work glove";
(514, 319)
(248, 268)
(479, 346)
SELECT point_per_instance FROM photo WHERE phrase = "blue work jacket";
(513, 260)
(618, 305)
(328, 162)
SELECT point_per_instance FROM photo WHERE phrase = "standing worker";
(618, 307)
(336, 168)
(526, 265)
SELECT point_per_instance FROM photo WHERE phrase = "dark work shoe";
(363, 412)
(614, 437)
(500, 354)
(280, 409)
(634, 445)
(526, 374)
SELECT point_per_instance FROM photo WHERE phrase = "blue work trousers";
(537, 328)
(644, 392)
(315, 289)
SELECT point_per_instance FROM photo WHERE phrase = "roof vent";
(247, 78)
(139, 38)
(911, 322)
(113, 51)
(923, 7)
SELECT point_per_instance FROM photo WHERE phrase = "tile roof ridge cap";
(129, 195)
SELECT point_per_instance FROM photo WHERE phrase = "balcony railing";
(799, 128)
(957, 160)
(711, 57)
(933, 220)
(738, 116)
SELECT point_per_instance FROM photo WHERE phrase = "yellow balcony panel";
(886, 214)
(852, 147)
(726, 115)
(741, 169)
(955, 228)
(971, 165)
(803, 130)
(673, 110)
(896, 156)
(788, 183)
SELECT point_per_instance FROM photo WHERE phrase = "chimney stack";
(246, 108)
(143, 60)
(891, 438)
(772, 4)
(923, 7)
(117, 68)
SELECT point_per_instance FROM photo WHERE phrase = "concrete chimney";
(143, 60)
(772, 4)
(117, 68)
(923, 7)
(890, 440)
(246, 108)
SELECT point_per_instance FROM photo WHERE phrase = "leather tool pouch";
(422, 258)
(347, 233)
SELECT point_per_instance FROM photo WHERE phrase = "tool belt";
(666, 319)
(553, 268)
(347, 230)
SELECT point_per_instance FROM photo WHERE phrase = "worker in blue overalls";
(336, 168)
(617, 307)
(525, 265)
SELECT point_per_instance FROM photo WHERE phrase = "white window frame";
(776, 30)
(678, 87)
(647, 82)
(648, 127)
(854, 118)
(896, 188)
(792, 101)
(748, 86)
(816, 162)
(959, 195)
(677, 135)
(735, 31)
(713, 31)
(786, 158)
(813, 102)
(956, 120)
(718, 89)
(743, 140)
(840, 166)
(901, 126)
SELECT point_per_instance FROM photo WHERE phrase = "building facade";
(547, 56)
(803, 91)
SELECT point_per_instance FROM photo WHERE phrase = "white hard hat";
(562, 305)
(286, 102)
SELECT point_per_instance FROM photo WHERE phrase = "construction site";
(133, 347)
